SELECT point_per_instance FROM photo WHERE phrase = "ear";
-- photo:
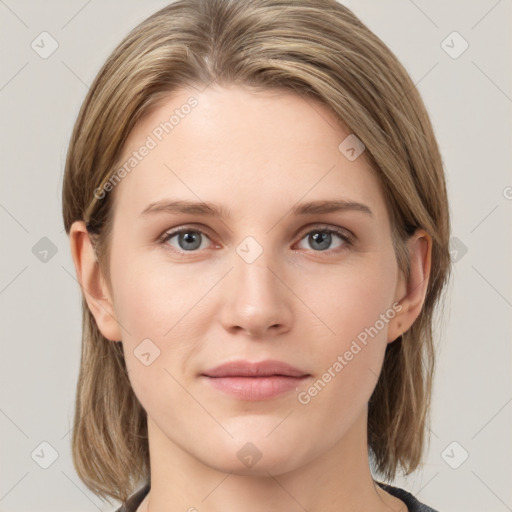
(91, 281)
(411, 295)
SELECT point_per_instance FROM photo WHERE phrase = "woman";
(258, 218)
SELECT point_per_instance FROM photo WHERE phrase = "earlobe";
(91, 281)
(411, 295)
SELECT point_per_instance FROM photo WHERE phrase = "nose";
(255, 300)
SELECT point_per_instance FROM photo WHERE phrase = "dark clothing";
(413, 505)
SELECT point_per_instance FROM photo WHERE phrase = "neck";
(339, 479)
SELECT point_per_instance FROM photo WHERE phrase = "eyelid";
(343, 233)
(169, 233)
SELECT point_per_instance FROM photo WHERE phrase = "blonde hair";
(315, 48)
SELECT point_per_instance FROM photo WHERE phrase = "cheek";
(352, 298)
(152, 307)
(348, 366)
(163, 320)
(151, 299)
(356, 306)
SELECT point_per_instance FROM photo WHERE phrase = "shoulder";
(134, 500)
(412, 503)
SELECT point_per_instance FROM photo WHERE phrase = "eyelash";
(345, 236)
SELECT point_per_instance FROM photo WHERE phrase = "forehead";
(243, 148)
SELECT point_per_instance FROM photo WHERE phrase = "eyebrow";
(217, 211)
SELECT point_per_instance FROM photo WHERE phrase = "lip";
(255, 380)
(266, 368)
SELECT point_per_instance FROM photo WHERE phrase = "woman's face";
(285, 259)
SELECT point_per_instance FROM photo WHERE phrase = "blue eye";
(187, 239)
(321, 239)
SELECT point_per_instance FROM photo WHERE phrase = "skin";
(257, 154)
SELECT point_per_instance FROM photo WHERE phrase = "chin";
(255, 453)
(269, 464)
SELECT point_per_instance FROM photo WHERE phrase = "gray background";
(470, 102)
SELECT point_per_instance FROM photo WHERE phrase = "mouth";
(247, 380)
